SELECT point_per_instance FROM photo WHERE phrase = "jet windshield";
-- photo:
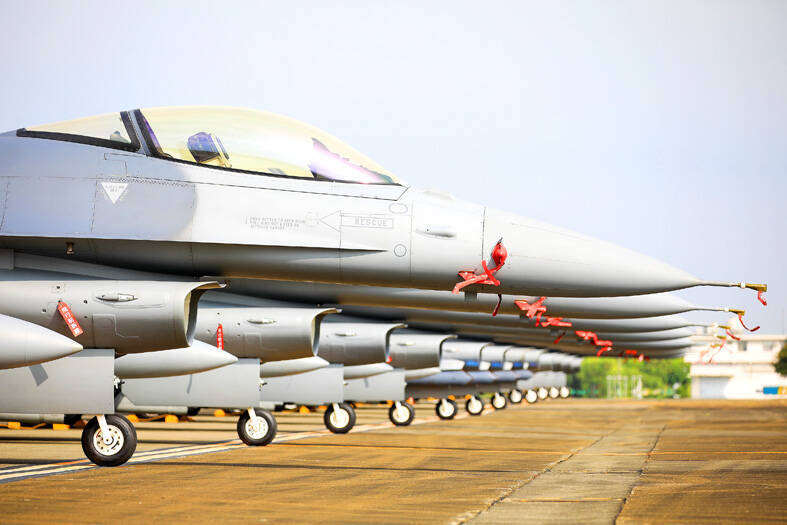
(255, 141)
(112, 130)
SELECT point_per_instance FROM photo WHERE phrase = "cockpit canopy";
(226, 138)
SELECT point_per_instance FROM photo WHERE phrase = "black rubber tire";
(443, 416)
(117, 423)
(468, 403)
(192, 411)
(257, 441)
(336, 429)
(410, 414)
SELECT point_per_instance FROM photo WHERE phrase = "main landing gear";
(339, 418)
(109, 440)
(256, 427)
(401, 413)
(446, 408)
(474, 406)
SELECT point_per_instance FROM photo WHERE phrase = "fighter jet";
(90, 207)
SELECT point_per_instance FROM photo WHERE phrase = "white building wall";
(741, 370)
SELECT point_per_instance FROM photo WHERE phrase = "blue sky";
(660, 126)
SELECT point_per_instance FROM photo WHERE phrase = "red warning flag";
(220, 337)
(69, 318)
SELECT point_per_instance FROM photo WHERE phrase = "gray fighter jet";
(190, 192)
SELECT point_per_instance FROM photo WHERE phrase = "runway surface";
(558, 461)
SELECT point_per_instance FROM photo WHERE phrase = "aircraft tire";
(260, 434)
(474, 406)
(342, 421)
(396, 416)
(446, 408)
(121, 447)
(565, 392)
(553, 392)
(531, 396)
(515, 396)
(499, 401)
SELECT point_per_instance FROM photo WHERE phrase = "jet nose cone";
(547, 260)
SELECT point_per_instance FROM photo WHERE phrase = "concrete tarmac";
(558, 461)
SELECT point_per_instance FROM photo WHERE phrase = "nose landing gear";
(256, 427)
(401, 413)
(109, 440)
(339, 418)
(474, 406)
(515, 396)
(446, 408)
(499, 401)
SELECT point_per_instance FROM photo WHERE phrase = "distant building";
(740, 370)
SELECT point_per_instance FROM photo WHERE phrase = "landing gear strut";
(474, 406)
(401, 413)
(446, 408)
(109, 440)
(339, 418)
(256, 427)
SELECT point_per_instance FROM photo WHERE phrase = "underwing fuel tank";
(412, 350)
(129, 316)
(199, 357)
(25, 344)
(356, 343)
(267, 333)
(231, 192)
(290, 367)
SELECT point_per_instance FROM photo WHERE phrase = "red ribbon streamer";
(497, 306)
(555, 321)
(761, 298)
(531, 310)
(499, 255)
(740, 318)
(733, 336)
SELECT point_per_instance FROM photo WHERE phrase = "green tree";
(658, 376)
(781, 361)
